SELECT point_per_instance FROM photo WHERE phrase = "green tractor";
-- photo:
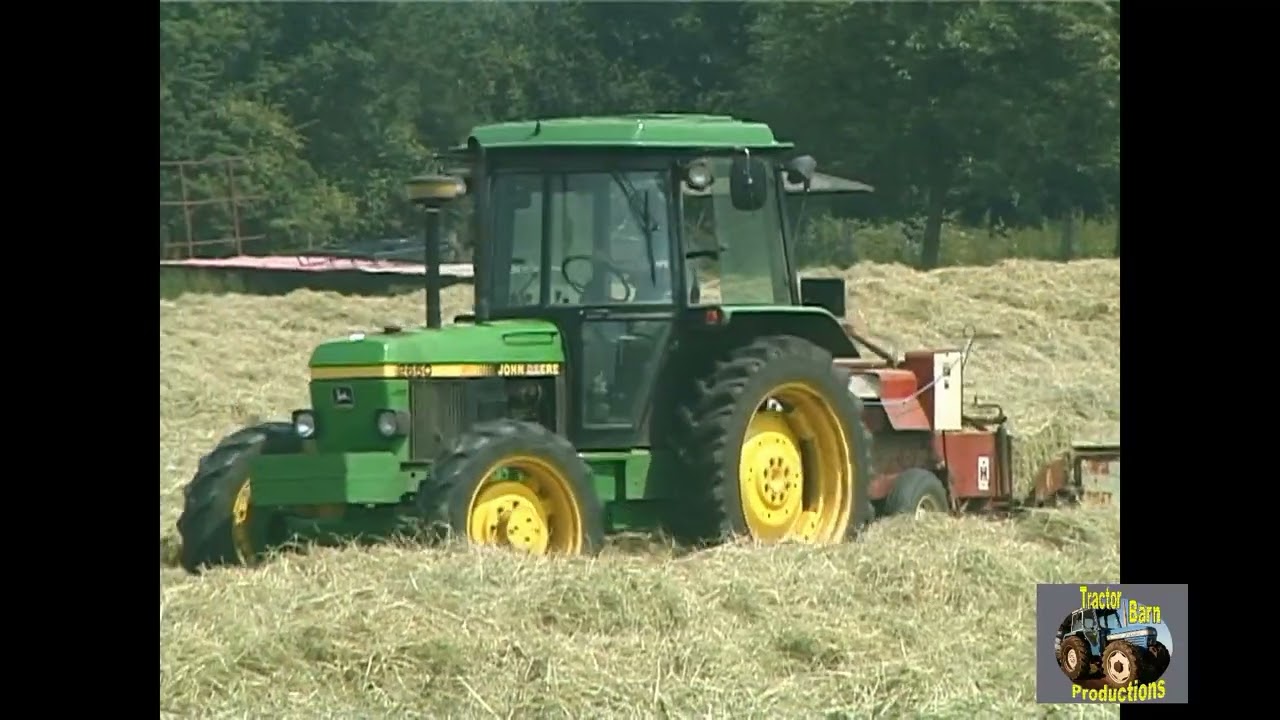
(641, 356)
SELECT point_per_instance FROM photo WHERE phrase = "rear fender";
(815, 324)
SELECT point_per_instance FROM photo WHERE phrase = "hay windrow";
(931, 618)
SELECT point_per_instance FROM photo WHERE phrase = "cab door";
(621, 353)
(1091, 632)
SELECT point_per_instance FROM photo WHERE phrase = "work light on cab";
(304, 423)
(698, 176)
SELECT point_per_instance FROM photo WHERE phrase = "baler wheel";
(1121, 664)
(1073, 658)
(774, 448)
(916, 491)
(514, 484)
(218, 525)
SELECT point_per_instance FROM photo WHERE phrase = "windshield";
(590, 238)
(1109, 619)
(735, 257)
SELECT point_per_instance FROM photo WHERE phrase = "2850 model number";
(414, 371)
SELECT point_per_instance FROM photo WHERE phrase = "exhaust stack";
(433, 192)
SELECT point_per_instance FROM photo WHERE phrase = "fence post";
(186, 209)
(235, 206)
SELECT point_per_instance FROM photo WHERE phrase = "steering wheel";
(533, 277)
(612, 269)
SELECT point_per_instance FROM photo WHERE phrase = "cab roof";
(656, 130)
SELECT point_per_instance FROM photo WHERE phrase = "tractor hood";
(499, 341)
(1131, 633)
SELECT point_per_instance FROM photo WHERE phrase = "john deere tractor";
(641, 355)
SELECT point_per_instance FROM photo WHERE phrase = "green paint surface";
(635, 515)
(668, 130)
(357, 523)
(807, 321)
(353, 428)
(496, 341)
(374, 485)
(330, 479)
(619, 475)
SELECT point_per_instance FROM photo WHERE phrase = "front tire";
(1073, 658)
(773, 447)
(550, 508)
(218, 525)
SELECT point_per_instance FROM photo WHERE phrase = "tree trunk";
(931, 245)
(1067, 244)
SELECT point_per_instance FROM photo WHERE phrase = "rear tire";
(218, 525)
(552, 509)
(724, 415)
(1157, 660)
(916, 490)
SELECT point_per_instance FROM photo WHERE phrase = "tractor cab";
(621, 232)
(1085, 622)
(1095, 626)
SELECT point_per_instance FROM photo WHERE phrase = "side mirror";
(800, 170)
(748, 178)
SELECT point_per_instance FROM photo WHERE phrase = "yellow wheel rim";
(241, 518)
(536, 514)
(795, 473)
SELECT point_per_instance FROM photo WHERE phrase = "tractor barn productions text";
(1110, 600)
(1149, 691)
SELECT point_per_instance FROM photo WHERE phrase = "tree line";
(977, 120)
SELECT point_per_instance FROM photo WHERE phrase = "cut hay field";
(923, 619)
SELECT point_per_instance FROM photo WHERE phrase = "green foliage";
(832, 241)
(993, 115)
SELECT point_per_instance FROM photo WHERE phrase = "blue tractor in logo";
(1091, 642)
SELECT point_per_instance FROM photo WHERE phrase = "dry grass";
(924, 619)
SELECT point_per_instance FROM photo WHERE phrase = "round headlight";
(388, 426)
(304, 423)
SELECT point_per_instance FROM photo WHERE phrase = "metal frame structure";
(233, 201)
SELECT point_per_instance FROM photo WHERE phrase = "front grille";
(439, 412)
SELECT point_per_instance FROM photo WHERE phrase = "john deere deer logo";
(343, 396)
